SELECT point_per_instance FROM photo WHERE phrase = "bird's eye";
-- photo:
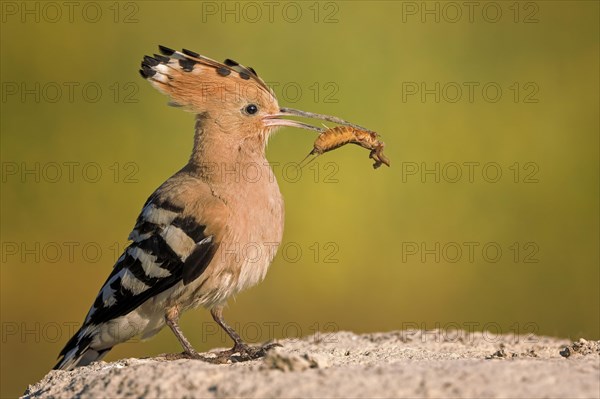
(251, 109)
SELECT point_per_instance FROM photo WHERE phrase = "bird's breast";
(256, 233)
(254, 228)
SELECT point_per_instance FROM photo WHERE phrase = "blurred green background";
(85, 140)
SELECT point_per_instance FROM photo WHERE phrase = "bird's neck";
(222, 157)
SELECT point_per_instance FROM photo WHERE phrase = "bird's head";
(228, 95)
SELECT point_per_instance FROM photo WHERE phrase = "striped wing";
(167, 248)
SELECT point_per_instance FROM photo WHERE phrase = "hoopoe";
(205, 234)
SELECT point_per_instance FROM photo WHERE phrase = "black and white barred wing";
(167, 247)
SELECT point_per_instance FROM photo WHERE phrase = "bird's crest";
(196, 82)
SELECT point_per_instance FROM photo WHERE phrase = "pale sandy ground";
(417, 364)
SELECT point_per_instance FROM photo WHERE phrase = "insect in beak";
(275, 120)
(334, 137)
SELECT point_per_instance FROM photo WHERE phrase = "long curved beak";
(276, 120)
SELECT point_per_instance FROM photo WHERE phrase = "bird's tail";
(77, 352)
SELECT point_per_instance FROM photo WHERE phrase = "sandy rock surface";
(344, 365)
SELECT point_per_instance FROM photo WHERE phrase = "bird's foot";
(184, 355)
(242, 353)
(239, 353)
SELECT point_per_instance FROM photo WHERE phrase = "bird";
(208, 232)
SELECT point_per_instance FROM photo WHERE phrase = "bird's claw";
(239, 353)
(253, 352)
(186, 355)
(242, 353)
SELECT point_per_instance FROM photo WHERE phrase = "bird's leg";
(172, 320)
(217, 315)
(245, 351)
